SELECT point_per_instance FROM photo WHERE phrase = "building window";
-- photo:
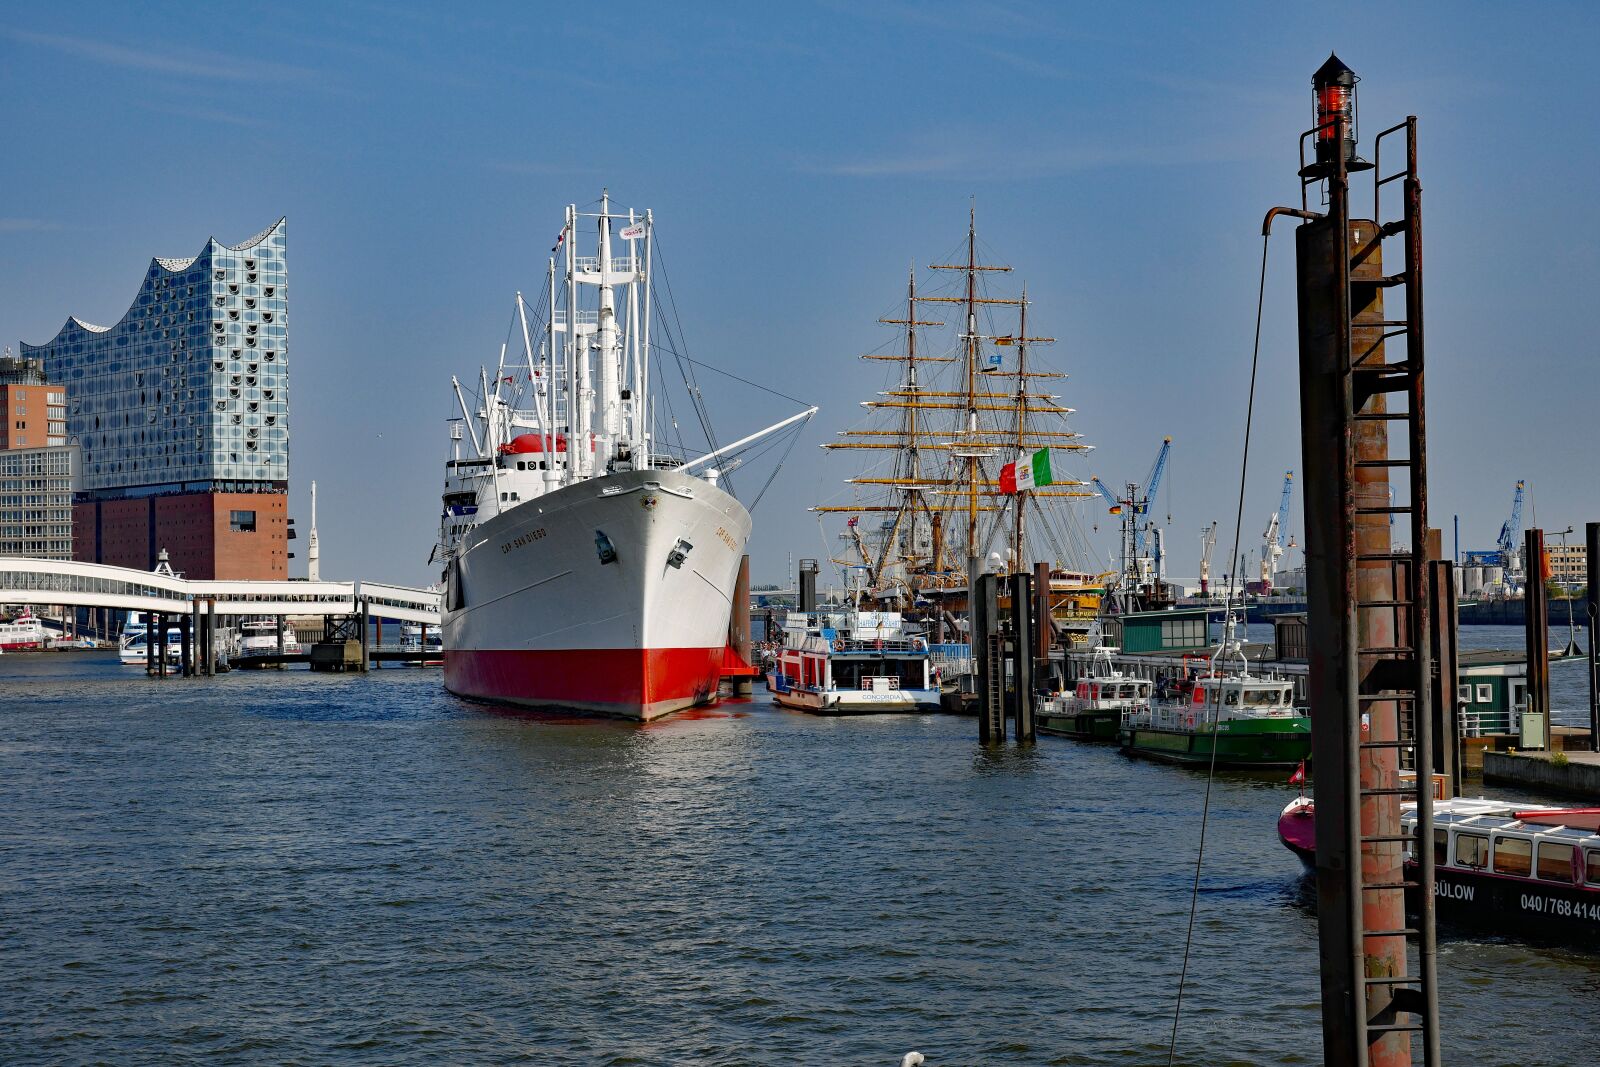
(1464, 694)
(242, 521)
(1485, 694)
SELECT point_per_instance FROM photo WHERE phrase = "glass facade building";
(36, 488)
(180, 415)
(190, 390)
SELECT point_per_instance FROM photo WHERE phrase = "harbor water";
(282, 867)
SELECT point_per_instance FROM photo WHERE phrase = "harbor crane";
(1138, 568)
(1272, 540)
(1506, 554)
(1208, 541)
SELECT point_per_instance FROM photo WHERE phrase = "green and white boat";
(1094, 709)
(1238, 720)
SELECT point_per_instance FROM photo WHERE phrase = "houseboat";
(852, 662)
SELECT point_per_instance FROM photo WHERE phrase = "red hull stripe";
(637, 683)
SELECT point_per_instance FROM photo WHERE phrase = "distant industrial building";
(181, 415)
(1569, 564)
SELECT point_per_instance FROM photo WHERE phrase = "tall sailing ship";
(960, 422)
(586, 565)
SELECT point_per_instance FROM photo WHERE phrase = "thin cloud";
(117, 55)
(206, 114)
(542, 169)
(1027, 161)
(27, 225)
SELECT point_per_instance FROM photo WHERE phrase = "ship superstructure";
(587, 564)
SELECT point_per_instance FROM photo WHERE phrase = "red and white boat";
(585, 567)
(23, 634)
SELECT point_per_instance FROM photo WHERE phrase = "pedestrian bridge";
(51, 582)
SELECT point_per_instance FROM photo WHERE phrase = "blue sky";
(798, 158)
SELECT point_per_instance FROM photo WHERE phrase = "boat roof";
(1499, 816)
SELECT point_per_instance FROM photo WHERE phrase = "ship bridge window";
(1555, 861)
(1513, 855)
(1472, 850)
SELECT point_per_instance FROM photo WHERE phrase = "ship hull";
(533, 616)
(1081, 725)
(1239, 744)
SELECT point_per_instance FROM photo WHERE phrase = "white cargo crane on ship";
(587, 565)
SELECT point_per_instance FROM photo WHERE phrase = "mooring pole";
(1536, 627)
(988, 664)
(366, 644)
(1022, 654)
(1446, 697)
(150, 618)
(186, 637)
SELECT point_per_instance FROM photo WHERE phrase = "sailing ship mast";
(966, 426)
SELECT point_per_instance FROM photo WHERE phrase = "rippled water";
(282, 867)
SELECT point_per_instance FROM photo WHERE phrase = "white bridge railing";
(49, 582)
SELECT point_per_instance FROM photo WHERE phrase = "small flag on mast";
(1028, 472)
(1299, 775)
(560, 238)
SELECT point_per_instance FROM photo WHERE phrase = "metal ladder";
(1396, 670)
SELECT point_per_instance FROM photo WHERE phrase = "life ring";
(838, 645)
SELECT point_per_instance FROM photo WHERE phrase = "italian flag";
(1028, 472)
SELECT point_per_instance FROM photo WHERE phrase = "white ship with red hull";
(586, 567)
(534, 617)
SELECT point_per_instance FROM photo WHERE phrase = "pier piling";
(988, 660)
(1022, 655)
(1536, 612)
(1592, 532)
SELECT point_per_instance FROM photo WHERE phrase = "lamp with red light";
(1334, 89)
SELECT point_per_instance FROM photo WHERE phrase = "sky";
(799, 157)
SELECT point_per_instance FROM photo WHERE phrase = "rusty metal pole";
(1536, 625)
(1592, 539)
(1446, 699)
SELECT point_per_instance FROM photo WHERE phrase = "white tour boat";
(851, 662)
(259, 636)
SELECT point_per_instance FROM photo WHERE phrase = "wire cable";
(1233, 580)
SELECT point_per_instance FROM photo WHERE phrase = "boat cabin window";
(1555, 861)
(1263, 698)
(1513, 855)
(1593, 876)
(1232, 698)
(1441, 846)
(1472, 850)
